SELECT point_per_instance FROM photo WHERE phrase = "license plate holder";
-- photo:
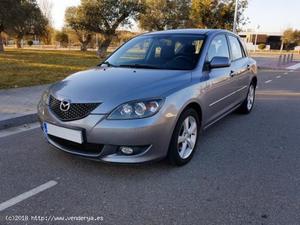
(74, 135)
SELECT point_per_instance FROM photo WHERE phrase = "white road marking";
(286, 73)
(268, 81)
(27, 195)
(294, 67)
(278, 77)
(19, 129)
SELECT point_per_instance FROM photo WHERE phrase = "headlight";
(45, 97)
(136, 109)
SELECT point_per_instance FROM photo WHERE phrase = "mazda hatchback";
(150, 98)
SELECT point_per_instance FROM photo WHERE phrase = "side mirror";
(219, 62)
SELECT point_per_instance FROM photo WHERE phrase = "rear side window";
(218, 47)
(235, 48)
(244, 48)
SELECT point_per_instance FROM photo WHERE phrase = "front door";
(219, 82)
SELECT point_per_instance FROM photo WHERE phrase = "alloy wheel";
(250, 97)
(187, 137)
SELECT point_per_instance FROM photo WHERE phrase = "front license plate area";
(64, 133)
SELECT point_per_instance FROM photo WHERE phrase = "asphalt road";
(246, 171)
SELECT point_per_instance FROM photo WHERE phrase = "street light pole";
(235, 16)
(256, 35)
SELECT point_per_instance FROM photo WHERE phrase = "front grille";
(85, 148)
(75, 112)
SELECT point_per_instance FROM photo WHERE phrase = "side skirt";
(222, 116)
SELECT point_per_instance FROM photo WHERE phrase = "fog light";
(126, 150)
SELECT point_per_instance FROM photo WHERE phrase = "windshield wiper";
(142, 66)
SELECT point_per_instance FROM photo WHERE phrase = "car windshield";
(173, 52)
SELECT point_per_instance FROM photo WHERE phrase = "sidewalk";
(272, 63)
(19, 105)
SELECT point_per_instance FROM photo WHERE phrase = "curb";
(17, 121)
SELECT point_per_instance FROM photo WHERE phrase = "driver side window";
(218, 47)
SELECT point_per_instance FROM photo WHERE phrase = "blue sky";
(271, 15)
(274, 15)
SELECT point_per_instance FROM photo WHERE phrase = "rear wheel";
(184, 139)
(248, 103)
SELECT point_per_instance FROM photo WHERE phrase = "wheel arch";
(194, 105)
(197, 107)
(254, 80)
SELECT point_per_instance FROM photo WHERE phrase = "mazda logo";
(65, 105)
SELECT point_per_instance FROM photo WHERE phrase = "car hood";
(114, 86)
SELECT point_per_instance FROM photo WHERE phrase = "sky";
(273, 15)
(58, 11)
(270, 15)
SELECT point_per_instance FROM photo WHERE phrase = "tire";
(247, 105)
(184, 141)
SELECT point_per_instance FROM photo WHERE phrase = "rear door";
(240, 69)
(219, 86)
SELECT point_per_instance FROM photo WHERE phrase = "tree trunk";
(1, 40)
(1, 45)
(84, 41)
(18, 42)
(102, 50)
(83, 46)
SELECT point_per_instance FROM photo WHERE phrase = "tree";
(105, 16)
(30, 43)
(262, 46)
(74, 18)
(46, 7)
(62, 37)
(216, 13)
(48, 35)
(8, 11)
(165, 14)
(172, 14)
(291, 38)
(29, 20)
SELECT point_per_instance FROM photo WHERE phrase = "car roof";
(188, 31)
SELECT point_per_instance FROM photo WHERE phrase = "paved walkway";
(272, 63)
(18, 102)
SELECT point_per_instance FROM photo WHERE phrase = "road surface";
(246, 171)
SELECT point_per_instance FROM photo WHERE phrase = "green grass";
(20, 68)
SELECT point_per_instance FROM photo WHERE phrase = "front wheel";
(248, 103)
(184, 139)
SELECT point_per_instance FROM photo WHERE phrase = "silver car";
(151, 98)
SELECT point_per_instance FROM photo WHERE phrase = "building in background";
(271, 40)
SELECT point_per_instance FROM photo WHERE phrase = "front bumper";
(103, 138)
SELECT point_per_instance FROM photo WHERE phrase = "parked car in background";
(151, 98)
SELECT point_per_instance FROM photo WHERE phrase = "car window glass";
(235, 48)
(175, 52)
(137, 52)
(218, 47)
(244, 48)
